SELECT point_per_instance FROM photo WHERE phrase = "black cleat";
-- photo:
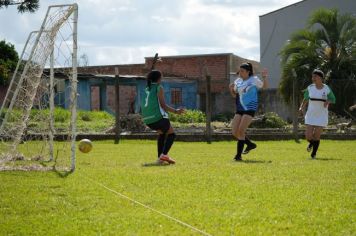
(237, 158)
(249, 148)
(313, 155)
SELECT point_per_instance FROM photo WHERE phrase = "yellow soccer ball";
(85, 145)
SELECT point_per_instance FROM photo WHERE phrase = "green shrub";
(269, 120)
(223, 117)
(190, 116)
(61, 115)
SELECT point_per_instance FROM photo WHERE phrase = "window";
(176, 96)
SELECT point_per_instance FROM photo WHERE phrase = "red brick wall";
(132, 69)
(219, 67)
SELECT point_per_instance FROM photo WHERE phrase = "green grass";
(278, 190)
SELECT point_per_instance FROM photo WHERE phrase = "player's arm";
(303, 105)
(330, 99)
(232, 91)
(165, 106)
(265, 78)
(305, 101)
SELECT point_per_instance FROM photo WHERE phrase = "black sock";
(248, 141)
(315, 146)
(169, 143)
(160, 143)
(240, 147)
(311, 143)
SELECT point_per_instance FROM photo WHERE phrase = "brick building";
(221, 68)
(177, 70)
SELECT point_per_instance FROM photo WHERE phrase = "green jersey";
(150, 106)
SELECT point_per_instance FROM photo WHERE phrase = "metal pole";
(117, 106)
(74, 87)
(208, 108)
(294, 105)
(51, 105)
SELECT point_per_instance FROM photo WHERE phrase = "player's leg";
(168, 143)
(309, 134)
(244, 123)
(317, 133)
(249, 144)
(235, 124)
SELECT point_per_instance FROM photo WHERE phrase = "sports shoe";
(313, 155)
(167, 159)
(310, 147)
(249, 148)
(237, 158)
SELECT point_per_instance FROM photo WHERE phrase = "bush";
(223, 117)
(269, 120)
(190, 116)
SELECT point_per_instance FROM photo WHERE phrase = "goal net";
(40, 105)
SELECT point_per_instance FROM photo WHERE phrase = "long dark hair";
(153, 77)
(247, 66)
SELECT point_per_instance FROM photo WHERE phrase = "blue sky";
(126, 31)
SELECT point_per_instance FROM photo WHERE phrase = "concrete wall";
(276, 28)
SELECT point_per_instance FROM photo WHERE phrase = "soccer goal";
(43, 90)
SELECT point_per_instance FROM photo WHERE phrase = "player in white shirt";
(318, 96)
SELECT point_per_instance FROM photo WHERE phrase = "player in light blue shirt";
(245, 90)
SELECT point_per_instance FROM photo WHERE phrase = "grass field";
(278, 190)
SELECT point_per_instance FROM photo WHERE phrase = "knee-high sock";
(240, 147)
(248, 141)
(315, 146)
(160, 143)
(311, 143)
(169, 143)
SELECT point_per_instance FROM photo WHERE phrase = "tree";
(329, 43)
(83, 60)
(8, 61)
(22, 6)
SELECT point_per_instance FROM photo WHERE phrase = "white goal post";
(27, 114)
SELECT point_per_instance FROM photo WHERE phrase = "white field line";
(150, 208)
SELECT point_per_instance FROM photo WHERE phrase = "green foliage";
(190, 116)
(269, 120)
(277, 190)
(8, 61)
(22, 6)
(331, 47)
(223, 117)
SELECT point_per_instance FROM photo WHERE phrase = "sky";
(126, 31)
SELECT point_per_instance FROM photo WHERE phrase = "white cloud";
(126, 31)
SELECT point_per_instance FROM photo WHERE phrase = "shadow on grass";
(327, 159)
(149, 164)
(253, 162)
(62, 173)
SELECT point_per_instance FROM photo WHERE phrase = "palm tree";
(329, 43)
(22, 6)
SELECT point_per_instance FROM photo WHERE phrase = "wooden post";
(294, 105)
(208, 108)
(117, 106)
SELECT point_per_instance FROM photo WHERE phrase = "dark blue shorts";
(248, 112)
(163, 124)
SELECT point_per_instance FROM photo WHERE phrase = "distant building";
(183, 83)
(183, 77)
(276, 28)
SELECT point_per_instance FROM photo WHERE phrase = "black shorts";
(163, 125)
(248, 112)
